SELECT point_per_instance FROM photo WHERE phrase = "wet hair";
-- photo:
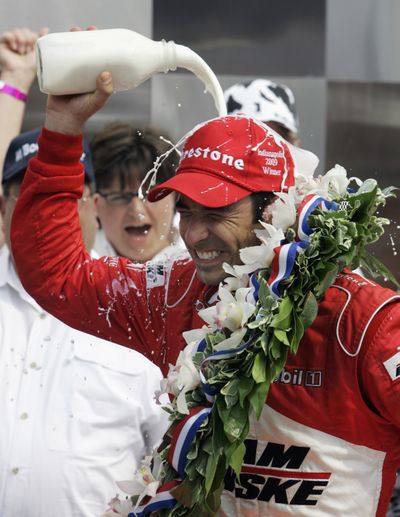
(127, 152)
(260, 201)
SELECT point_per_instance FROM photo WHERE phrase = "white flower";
(231, 312)
(238, 279)
(244, 270)
(332, 184)
(233, 341)
(306, 185)
(182, 377)
(118, 508)
(195, 335)
(282, 210)
(261, 256)
(143, 483)
(335, 182)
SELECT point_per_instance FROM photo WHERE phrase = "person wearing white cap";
(268, 101)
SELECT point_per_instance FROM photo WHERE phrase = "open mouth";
(138, 231)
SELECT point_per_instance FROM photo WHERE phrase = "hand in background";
(17, 57)
(18, 70)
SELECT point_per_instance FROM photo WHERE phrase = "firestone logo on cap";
(214, 155)
(255, 160)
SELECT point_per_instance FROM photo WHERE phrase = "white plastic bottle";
(69, 62)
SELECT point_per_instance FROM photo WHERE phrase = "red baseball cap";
(228, 158)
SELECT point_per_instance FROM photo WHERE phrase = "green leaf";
(236, 459)
(245, 387)
(310, 309)
(377, 269)
(234, 421)
(258, 397)
(282, 319)
(264, 294)
(281, 335)
(389, 192)
(231, 392)
(230, 387)
(298, 333)
(213, 501)
(212, 463)
(276, 349)
(258, 371)
(330, 273)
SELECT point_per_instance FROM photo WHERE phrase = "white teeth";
(208, 255)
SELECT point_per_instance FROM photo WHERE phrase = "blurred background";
(340, 57)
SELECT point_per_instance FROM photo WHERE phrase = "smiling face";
(215, 235)
(138, 229)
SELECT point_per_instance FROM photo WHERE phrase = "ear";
(96, 198)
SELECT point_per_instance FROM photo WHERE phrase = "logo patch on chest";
(155, 275)
(392, 366)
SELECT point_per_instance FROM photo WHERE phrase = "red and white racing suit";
(328, 441)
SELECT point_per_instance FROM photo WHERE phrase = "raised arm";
(18, 71)
(105, 297)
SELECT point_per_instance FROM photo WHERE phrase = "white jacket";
(77, 412)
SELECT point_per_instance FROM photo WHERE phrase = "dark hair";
(17, 180)
(260, 200)
(286, 133)
(122, 151)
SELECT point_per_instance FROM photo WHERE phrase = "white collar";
(4, 258)
(9, 276)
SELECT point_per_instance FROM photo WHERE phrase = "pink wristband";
(14, 92)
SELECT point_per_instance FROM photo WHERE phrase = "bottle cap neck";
(170, 60)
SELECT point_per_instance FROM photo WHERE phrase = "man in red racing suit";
(328, 440)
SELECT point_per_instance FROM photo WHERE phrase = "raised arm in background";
(18, 71)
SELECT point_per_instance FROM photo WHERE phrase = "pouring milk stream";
(69, 62)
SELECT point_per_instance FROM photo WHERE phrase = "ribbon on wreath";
(182, 437)
(307, 206)
(163, 500)
(211, 392)
(285, 255)
(282, 265)
(252, 297)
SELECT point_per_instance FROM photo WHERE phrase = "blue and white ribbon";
(308, 205)
(210, 392)
(200, 346)
(252, 296)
